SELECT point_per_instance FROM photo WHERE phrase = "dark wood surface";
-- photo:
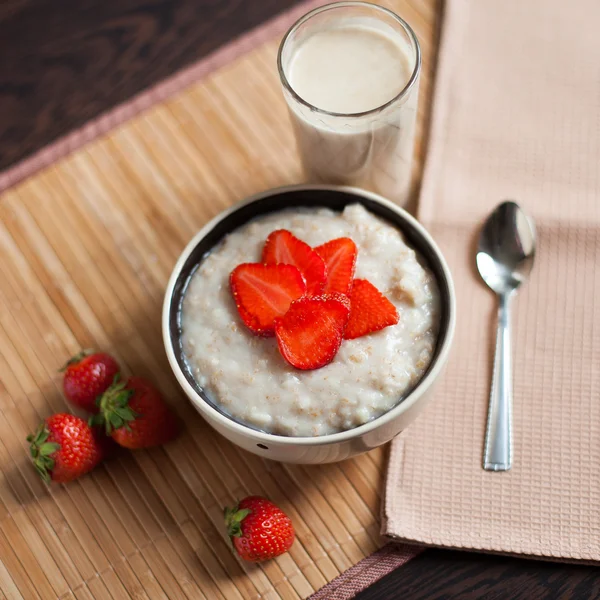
(62, 62)
(65, 61)
(446, 575)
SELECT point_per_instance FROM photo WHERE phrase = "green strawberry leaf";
(233, 520)
(41, 452)
(49, 448)
(114, 410)
(75, 359)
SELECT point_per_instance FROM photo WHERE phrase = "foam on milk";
(349, 70)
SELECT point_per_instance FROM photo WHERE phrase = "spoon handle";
(498, 438)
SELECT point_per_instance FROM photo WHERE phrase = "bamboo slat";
(86, 248)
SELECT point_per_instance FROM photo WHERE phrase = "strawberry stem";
(41, 452)
(114, 410)
(233, 520)
(75, 359)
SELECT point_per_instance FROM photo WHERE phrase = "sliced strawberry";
(370, 310)
(264, 292)
(310, 333)
(340, 259)
(282, 247)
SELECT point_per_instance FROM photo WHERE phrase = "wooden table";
(64, 64)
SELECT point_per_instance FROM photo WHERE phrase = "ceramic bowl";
(337, 446)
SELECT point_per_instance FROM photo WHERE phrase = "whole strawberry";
(87, 376)
(65, 447)
(135, 415)
(259, 530)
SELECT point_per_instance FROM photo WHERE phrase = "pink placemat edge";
(367, 572)
(153, 95)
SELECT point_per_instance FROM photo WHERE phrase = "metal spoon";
(504, 260)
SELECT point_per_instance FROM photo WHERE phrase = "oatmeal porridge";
(246, 375)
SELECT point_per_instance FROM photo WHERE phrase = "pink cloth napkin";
(516, 116)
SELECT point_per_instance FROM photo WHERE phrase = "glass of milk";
(350, 75)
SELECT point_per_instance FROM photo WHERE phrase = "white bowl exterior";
(329, 448)
(318, 452)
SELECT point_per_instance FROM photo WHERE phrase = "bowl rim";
(212, 414)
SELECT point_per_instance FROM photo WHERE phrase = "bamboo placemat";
(86, 248)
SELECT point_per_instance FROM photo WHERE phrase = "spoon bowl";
(506, 248)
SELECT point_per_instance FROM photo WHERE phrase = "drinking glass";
(371, 149)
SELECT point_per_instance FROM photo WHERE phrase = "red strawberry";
(282, 247)
(310, 333)
(65, 447)
(264, 292)
(135, 415)
(87, 376)
(340, 259)
(259, 530)
(370, 310)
